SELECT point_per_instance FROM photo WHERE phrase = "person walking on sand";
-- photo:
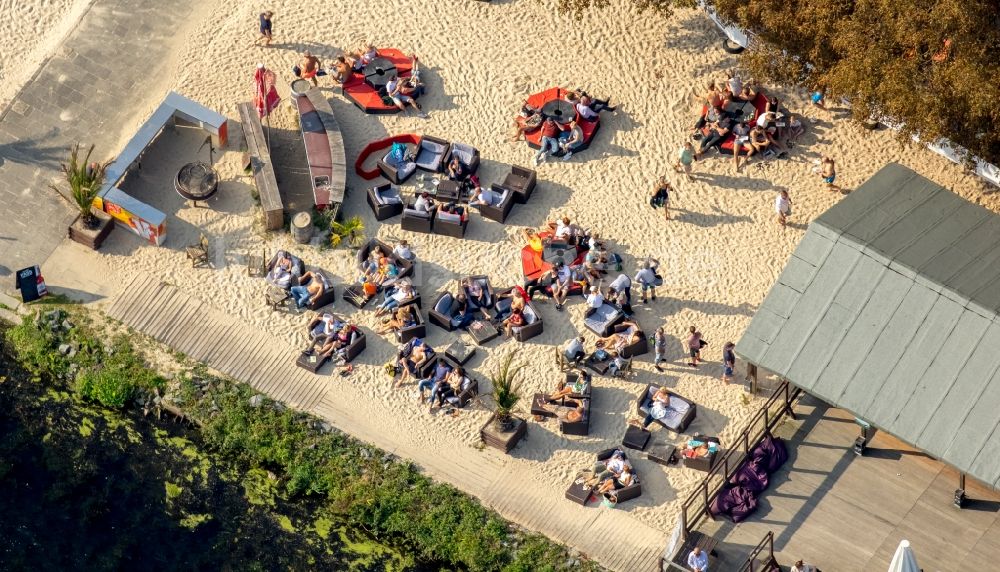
(685, 160)
(728, 362)
(695, 343)
(783, 207)
(660, 348)
(661, 196)
(265, 27)
(309, 68)
(828, 170)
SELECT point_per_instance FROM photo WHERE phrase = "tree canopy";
(933, 65)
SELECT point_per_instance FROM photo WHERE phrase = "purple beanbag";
(773, 451)
(752, 476)
(746, 504)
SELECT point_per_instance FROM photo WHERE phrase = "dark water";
(83, 488)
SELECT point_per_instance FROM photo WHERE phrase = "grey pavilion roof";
(888, 308)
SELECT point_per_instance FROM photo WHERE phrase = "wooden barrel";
(302, 227)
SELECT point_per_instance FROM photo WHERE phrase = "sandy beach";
(719, 255)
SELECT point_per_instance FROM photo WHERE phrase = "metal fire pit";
(196, 182)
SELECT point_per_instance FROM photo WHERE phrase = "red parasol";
(265, 97)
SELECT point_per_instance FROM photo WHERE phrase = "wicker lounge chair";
(449, 224)
(431, 153)
(637, 348)
(467, 155)
(522, 181)
(625, 493)
(313, 363)
(397, 173)
(405, 266)
(602, 320)
(298, 269)
(328, 296)
(385, 201)
(499, 212)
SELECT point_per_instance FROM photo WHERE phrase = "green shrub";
(111, 388)
(36, 349)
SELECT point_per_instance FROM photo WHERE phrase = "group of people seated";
(444, 384)
(775, 129)
(330, 337)
(425, 203)
(606, 348)
(380, 272)
(613, 474)
(410, 359)
(555, 402)
(401, 292)
(558, 136)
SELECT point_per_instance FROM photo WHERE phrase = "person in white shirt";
(394, 89)
(574, 349)
(783, 207)
(424, 203)
(623, 284)
(564, 230)
(800, 566)
(646, 277)
(573, 141)
(402, 250)
(561, 285)
(698, 560)
(486, 197)
(595, 299)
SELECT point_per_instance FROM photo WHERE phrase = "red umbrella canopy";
(265, 97)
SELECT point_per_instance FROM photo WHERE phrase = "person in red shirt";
(550, 139)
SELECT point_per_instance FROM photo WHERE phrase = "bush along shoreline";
(285, 456)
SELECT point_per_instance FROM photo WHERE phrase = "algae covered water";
(87, 488)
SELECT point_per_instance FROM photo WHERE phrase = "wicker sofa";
(522, 181)
(298, 269)
(385, 201)
(417, 330)
(358, 344)
(602, 320)
(396, 173)
(405, 266)
(624, 493)
(499, 212)
(682, 411)
(637, 348)
(328, 296)
(443, 310)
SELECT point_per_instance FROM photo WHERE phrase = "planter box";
(504, 441)
(92, 237)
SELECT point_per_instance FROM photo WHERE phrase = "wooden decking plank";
(152, 321)
(179, 331)
(168, 320)
(133, 300)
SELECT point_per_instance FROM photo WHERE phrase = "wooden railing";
(766, 564)
(767, 417)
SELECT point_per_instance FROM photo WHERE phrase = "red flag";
(265, 97)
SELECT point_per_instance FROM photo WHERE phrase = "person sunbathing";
(514, 320)
(394, 297)
(620, 340)
(564, 389)
(341, 70)
(311, 287)
(322, 326)
(658, 407)
(695, 448)
(533, 239)
(565, 413)
(529, 119)
(364, 57)
(613, 467)
(402, 318)
(609, 486)
(412, 357)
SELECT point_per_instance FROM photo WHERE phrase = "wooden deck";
(612, 537)
(221, 341)
(843, 512)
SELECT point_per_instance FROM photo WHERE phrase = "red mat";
(365, 96)
(537, 100)
(381, 144)
(759, 103)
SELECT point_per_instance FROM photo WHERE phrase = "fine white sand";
(720, 253)
(29, 32)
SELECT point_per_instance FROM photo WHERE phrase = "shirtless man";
(309, 67)
(341, 70)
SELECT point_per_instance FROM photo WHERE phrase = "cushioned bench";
(431, 152)
(499, 211)
(680, 414)
(418, 221)
(602, 320)
(385, 201)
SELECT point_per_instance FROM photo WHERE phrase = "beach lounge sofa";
(500, 211)
(385, 201)
(396, 172)
(532, 324)
(461, 398)
(298, 269)
(313, 363)
(623, 493)
(405, 266)
(431, 153)
(573, 376)
(680, 413)
(602, 320)
(637, 348)
(581, 427)
(443, 310)
(522, 181)
(450, 224)
(467, 155)
(418, 221)
(703, 464)
(328, 296)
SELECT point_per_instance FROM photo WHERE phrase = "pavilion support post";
(752, 377)
(959, 500)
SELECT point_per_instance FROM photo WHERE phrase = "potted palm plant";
(351, 231)
(84, 180)
(503, 430)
